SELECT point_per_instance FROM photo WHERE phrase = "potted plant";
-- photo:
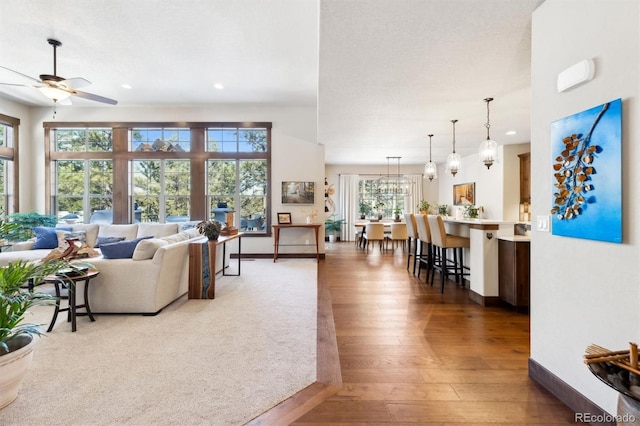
(443, 209)
(210, 229)
(424, 207)
(333, 226)
(397, 212)
(365, 209)
(17, 337)
(379, 206)
(471, 211)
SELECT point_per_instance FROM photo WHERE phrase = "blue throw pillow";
(121, 250)
(46, 237)
(108, 240)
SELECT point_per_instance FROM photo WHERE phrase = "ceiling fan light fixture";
(489, 147)
(430, 169)
(54, 93)
(454, 160)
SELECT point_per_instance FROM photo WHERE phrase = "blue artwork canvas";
(587, 178)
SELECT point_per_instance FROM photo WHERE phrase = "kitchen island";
(482, 257)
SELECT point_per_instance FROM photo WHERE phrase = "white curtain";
(348, 208)
(415, 194)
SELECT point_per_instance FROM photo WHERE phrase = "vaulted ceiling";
(383, 74)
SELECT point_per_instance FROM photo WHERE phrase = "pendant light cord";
(487, 100)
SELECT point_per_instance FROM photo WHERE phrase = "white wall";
(295, 152)
(584, 291)
(497, 188)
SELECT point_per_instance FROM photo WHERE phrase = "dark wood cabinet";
(513, 270)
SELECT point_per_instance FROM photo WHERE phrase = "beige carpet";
(213, 362)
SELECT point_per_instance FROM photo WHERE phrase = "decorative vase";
(14, 367)
(213, 238)
(332, 238)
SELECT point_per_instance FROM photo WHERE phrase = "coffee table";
(71, 282)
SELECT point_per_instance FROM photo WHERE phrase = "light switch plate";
(542, 223)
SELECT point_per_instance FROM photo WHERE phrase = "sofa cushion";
(91, 229)
(129, 232)
(156, 229)
(120, 250)
(107, 240)
(46, 237)
(147, 248)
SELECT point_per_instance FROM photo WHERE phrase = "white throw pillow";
(147, 248)
(157, 229)
(128, 231)
(91, 229)
(63, 245)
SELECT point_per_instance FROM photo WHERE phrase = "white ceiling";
(383, 73)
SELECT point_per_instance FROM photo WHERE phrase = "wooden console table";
(276, 236)
(202, 265)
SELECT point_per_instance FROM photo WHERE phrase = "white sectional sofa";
(156, 274)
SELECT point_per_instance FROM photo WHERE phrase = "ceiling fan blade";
(75, 83)
(92, 97)
(20, 85)
(23, 75)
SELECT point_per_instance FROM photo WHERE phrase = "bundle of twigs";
(627, 360)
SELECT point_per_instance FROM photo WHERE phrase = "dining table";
(362, 224)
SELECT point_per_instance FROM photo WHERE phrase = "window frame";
(12, 154)
(122, 155)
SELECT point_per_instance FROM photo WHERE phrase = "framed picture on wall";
(284, 218)
(464, 193)
(294, 192)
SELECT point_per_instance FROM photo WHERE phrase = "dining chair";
(444, 241)
(397, 235)
(374, 232)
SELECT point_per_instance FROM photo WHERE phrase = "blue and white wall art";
(587, 176)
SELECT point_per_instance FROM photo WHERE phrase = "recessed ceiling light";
(218, 86)
(126, 86)
(511, 133)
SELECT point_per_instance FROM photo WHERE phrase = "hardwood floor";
(409, 355)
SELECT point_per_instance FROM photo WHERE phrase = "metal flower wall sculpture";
(574, 171)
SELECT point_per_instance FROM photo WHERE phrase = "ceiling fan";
(59, 89)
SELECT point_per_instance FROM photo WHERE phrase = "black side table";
(71, 283)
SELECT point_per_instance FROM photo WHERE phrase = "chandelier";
(394, 185)
(430, 169)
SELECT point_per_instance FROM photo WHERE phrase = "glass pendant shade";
(488, 148)
(453, 160)
(394, 185)
(488, 152)
(453, 163)
(430, 169)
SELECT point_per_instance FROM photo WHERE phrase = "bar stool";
(445, 241)
(426, 256)
(374, 232)
(412, 237)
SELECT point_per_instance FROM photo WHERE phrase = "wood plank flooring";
(409, 355)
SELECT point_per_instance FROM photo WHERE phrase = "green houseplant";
(25, 222)
(210, 229)
(333, 226)
(365, 209)
(424, 207)
(16, 336)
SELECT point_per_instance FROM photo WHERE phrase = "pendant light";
(392, 186)
(430, 169)
(453, 160)
(488, 148)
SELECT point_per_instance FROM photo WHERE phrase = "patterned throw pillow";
(63, 245)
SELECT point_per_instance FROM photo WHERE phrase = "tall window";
(82, 185)
(160, 190)
(8, 171)
(374, 201)
(240, 178)
(152, 172)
